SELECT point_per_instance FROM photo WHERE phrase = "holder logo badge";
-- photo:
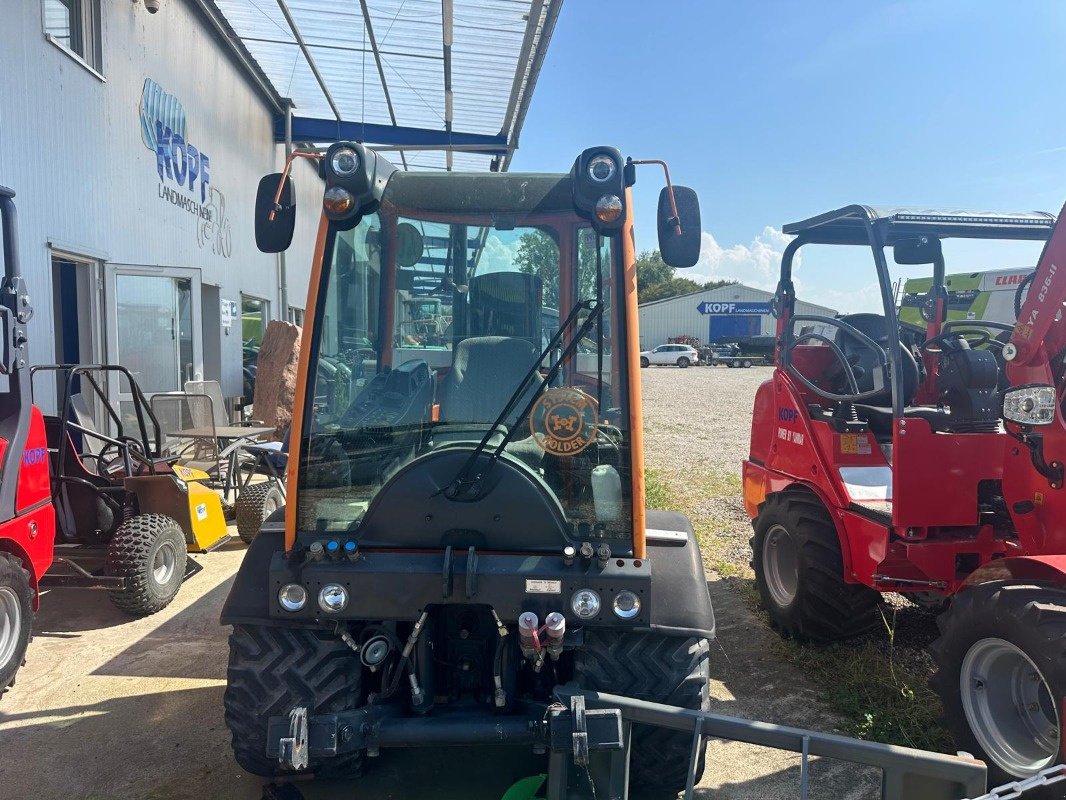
(563, 422)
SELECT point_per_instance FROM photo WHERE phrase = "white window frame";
(89, 26)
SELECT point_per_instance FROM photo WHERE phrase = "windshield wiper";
(469, 487)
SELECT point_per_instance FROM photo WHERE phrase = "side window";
(74, 25)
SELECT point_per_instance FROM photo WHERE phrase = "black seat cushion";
(484, 374)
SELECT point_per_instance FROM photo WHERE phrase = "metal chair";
(213, 390)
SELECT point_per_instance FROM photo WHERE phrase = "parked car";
(682, 355)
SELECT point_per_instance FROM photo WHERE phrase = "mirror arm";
(676, 218)
(295, 154)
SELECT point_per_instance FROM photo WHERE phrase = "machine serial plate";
(539, 586)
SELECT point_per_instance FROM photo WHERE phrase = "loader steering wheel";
(859, 356)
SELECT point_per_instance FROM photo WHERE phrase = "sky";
(777, 111)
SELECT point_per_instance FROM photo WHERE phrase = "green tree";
(538, 254)
(657, 280)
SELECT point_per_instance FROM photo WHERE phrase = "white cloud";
(756, 264)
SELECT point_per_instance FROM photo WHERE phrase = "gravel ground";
(697, 425)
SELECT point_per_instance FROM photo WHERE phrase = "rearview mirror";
(274, 235)
(409, 245)
(919, 250)
(682, 250)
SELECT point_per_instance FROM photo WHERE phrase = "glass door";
(154, 319)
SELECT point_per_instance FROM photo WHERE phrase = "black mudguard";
(680, 603)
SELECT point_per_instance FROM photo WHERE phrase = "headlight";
(626, 604)
(333, 598)
(292, 597)
(585, 603)
(344, 162)
(608, 208)
(1030, 405)
(601, 168)
(338, 201)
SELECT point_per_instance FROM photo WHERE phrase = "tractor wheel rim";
(163, 563)
(10, 624)
(1009, 707)
(269, 507)
(780, 565)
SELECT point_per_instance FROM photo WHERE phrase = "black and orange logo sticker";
(563, 422)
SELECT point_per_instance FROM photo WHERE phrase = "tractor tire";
(683, 362)
(149, 551)
(272, 670)
(644, 362)
(254, 504)
(799, 571)
(734, 364)
(661, 669)
(16, 618)
(1001, 675)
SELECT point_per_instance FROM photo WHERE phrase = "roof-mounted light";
(973, 219)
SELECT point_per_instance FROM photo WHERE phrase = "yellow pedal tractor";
(466, 532)
(125, 516)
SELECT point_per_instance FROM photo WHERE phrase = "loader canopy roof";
(848, 225)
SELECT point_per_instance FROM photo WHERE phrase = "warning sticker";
(855, 444)
(537, 586)
(201, 512)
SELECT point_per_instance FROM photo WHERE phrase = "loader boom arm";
(1039, 333)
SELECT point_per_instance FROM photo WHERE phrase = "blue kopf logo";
(787, 414)
(163, 130)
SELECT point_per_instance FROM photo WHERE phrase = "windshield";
(428, 325)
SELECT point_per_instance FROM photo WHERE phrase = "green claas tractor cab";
(467, 531)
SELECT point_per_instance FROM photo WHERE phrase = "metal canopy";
(446, 82)
(848, 225)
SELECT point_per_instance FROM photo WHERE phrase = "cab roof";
(848, 225)
(518, 193)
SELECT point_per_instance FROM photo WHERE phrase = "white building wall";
(661, 320)
(86, 183)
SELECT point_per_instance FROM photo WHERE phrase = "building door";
(155, 322)
(77, 334)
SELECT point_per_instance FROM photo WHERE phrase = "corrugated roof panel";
(496, 50)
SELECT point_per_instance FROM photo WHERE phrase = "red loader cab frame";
(927, 462)
(27, 519)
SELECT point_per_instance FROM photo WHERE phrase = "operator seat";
(485, 372)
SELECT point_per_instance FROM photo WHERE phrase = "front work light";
(626, 604)
(338, 201)
(292, 597)
(608, 208)
(601, 168)
(585, 603)
(344, 162)
(333, 598)
(1030, 405)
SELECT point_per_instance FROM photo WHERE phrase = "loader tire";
(1001, 675)
(799, 571)
(255, 503)
(16, 618)
(149, 551)
(661, 669)
(272, 670)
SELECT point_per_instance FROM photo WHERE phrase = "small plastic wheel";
(683, 362)
(254, 504)
(644, 361)
(149, 552)
(16, 617)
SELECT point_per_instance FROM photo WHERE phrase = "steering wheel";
(858, 355)
(949, 340)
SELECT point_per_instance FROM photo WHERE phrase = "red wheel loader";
(27, 519)
(926, 461)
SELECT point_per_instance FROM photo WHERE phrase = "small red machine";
(886, 458)
(27, 519)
